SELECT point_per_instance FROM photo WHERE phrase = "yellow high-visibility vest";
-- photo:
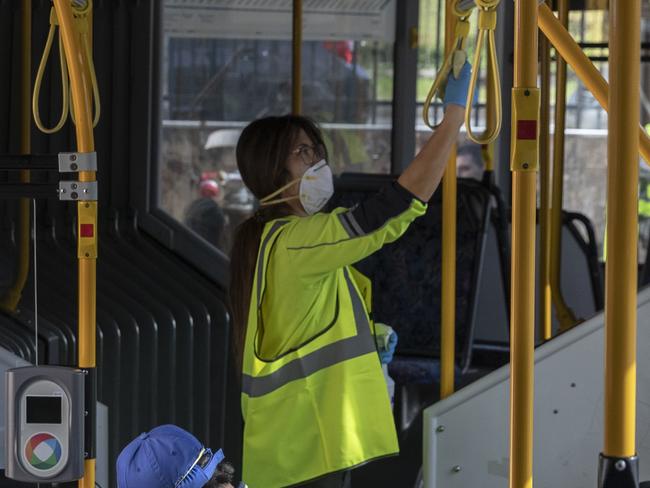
(314, 398)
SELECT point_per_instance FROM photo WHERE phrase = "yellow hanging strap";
(39, 79)
(487, 22)
(454, 60)
(81, 11)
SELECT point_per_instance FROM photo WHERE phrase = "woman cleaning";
(314, 399)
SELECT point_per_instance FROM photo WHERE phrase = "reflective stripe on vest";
(260, 266)
(337, 352)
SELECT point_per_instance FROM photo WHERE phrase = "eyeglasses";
(310, 155)
(202, 460)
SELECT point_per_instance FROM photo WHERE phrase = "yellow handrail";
(296, 65)
(80, 66)
(84, 29)
(545, 301)
(622, 202)
(487, 21)
(524, 162)
(565, 316)
(448, 293)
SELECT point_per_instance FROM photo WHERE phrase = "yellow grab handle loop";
(454, 60)
(39, 79)
(80, 13)
(442, 76)
(486, 25)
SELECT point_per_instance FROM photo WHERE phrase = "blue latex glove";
(386, 355)
(456, 89)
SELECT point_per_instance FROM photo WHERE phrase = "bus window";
(217, 75)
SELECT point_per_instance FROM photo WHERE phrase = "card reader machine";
(44, 424)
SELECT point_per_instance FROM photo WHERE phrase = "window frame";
(144, 187)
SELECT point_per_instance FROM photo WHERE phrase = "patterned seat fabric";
(407, 280)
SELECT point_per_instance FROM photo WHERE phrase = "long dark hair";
(262, 153)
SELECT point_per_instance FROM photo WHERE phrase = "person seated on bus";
(206, 217)
(170, 457)
(469, 162)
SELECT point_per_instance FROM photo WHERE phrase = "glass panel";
(225, 64)
(585, 147)
(431, 51)
(585, 155)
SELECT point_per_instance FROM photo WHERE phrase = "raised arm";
(423, 175)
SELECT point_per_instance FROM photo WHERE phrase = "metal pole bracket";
(616, 472)
(78, 190)
(74, 162)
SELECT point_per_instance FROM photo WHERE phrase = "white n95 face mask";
(316, 188)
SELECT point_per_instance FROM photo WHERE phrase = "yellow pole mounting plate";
(525, 129)
(87, 229)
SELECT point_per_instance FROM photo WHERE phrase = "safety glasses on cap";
(202, 460)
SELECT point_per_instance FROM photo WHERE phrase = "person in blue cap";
(170, 457)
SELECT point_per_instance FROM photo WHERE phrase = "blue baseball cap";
(166, 457)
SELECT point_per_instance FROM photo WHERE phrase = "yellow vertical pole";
(622, 201)
(448, 318)
(87, 211)
(10, 301)
(524, 161)
(296, 77)
(26, 81)
(565, 315)
(545, 192)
